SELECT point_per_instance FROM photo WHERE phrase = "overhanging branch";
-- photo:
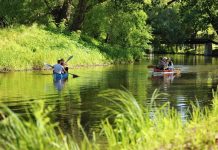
(170, 2)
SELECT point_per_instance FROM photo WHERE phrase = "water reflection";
(79, 99)
(59, 84)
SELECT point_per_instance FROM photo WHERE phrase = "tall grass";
(29, 47)
(36, 131)
(131, 125)
(33, 132)
(137, 126)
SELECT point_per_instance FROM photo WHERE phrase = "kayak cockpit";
(57, 76)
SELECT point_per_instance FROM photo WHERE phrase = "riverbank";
(45, 68)
(28, 48)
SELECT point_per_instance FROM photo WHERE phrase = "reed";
(32, 132)
(130, 125)
(138, 126)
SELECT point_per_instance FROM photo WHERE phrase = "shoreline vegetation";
(135, 126)
(24, 48)
(29, 47)
(44, 68)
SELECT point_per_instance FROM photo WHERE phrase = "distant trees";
(166, 23)
(205, 10)
(82, 8)
(119, 24)
(126, 23)
(174, 21)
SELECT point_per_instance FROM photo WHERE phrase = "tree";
(97, 20)
(166, 22)
(207, 11)
(124, 26)
(83, 7)
(27, 12)
(79, 15)
(62, 11)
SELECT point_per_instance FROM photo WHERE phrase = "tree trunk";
(2, 22)
(79, 15)
(62, 12)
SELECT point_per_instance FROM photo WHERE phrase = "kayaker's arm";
(64, 70)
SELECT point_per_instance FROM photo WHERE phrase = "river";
(78, 97)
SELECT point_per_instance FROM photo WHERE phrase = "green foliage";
(130, 24)
(97, 21)
(119, 27)
(129, 30)
(117, 53)
(181, 20)
(29, 47)
(204, 12)
(23, 11)
(167, 24)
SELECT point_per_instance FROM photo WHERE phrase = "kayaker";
(170, 64)
(58, 70)
(64, 64)
(162, 65)
(165, 63)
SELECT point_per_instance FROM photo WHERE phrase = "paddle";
(74, 75)
(151, 66)
(48, 65)
(69, 58)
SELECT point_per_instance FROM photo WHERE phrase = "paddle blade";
(48, 65)
(69, 58)
(75, 76)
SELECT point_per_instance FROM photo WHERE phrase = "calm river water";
(77, 98)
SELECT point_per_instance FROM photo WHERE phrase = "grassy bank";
(29, 47)
(24, 47)
(135, 126)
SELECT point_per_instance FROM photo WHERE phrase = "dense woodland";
(131, 24)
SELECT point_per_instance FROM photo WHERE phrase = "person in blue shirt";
(59, 72)
(64, 64)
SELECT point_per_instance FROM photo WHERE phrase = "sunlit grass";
(137, 126)
(130, 125)
(29, 47)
